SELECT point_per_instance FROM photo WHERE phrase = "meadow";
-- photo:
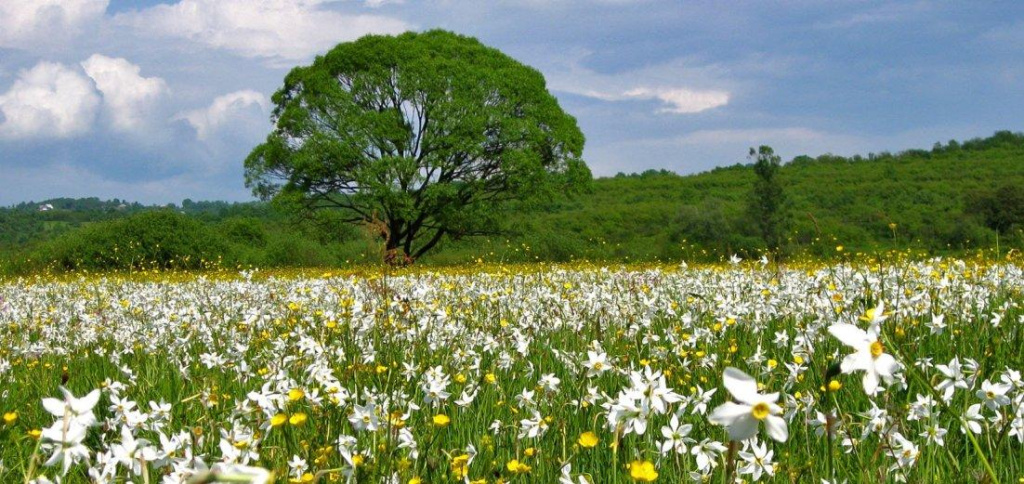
(852, 371)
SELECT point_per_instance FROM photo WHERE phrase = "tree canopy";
(432, 134)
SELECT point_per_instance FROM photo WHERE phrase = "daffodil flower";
(869, 353)
(742, 417)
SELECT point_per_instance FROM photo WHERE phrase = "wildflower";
(935, 434)
(516, 467)
(10, 417)
(533, 427)
(549, 383)
(297, 419)
(642, 471)
(68, 448)
(972, 419)
(994, 395)
(954, 379)
(588, 440)
(132, 452)
(757, 461)
(869, 353)
(364, 417)
(278, 420)
(675, 437)
(706, 453)
(74, 410)
(441, 420)
(295, 394)
(742, 418)
(596, 364)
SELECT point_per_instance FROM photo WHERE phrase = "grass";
(230, 352)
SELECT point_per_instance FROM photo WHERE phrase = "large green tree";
(432, 134)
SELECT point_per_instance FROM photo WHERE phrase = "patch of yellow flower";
(588, 440)
(642, 471)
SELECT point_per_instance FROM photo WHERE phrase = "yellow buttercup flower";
(642, 471)
(297, 419)
(588, 440)
(278, 420)
(10, 417)
(295, 394)
(441, 420)
(516, 467)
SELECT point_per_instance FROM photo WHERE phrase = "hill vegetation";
(949, 199)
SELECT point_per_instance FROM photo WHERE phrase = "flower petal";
(743, 428)
(727, 413)
(886, 365)
(741, 385)
(870, 381)
(860, 360)
(777, 428)
(849, 335)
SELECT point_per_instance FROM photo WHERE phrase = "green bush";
(157, 239)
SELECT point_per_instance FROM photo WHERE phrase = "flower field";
(868, 372)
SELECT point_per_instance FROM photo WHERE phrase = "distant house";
(46, 207)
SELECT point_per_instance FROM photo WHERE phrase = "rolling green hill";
(850, 201)
(941, 200)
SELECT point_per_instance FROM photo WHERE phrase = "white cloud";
(127, 96)
(676, 100)
(380, 3)
(24, 23)
(282, 30)
(224, 109)
(681, 100)
(674, 83)
(48, 101)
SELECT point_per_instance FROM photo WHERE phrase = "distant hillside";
(926, 199)
(851, 200)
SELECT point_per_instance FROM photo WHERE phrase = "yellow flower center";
(760, 411)
(877, 349)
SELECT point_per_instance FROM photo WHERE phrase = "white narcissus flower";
(994, 395)
(75, 410)
(742, 418)
(869, 354)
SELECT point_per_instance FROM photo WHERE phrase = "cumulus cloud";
(127, 96)
(283, 30)
(49, 100)
(227, 108)
(24, 23)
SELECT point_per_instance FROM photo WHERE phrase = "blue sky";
(160, 101)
